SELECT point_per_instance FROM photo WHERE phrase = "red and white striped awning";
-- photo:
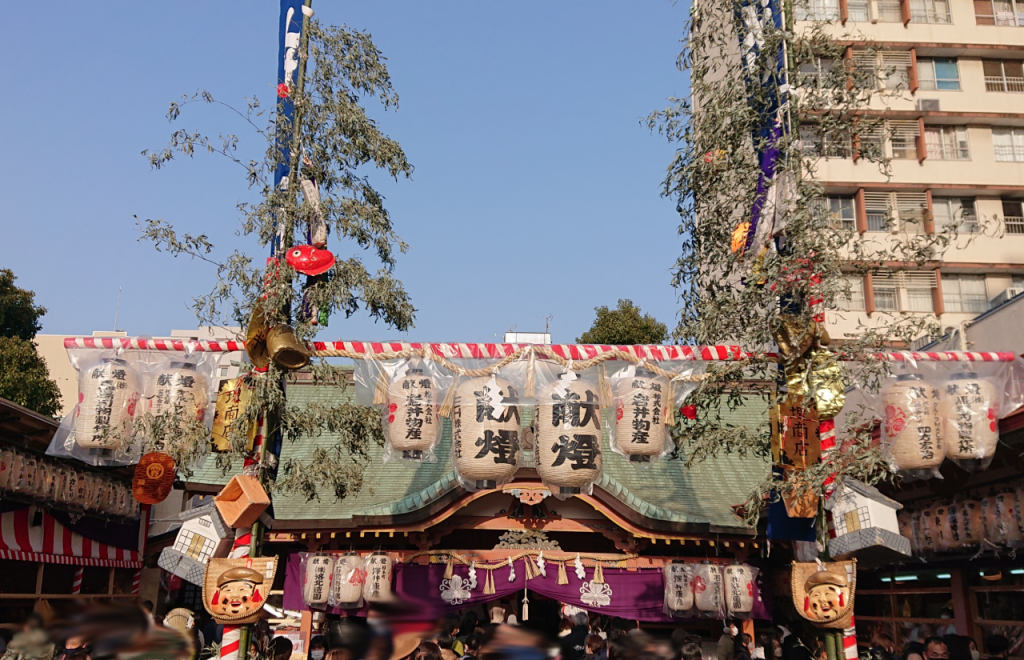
(53, 543)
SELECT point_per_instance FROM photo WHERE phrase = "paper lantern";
(906, 528)
(60, 476)
(347, 583)
(678, 578)
(707, 590)
(1019, 509)
(923, 539)
(1006, 508)
(154, 478)
(942, 527)
(911, 428)
(823, 593)
(377, 587)
(739, 590)
(44, 481)
(232, 400)
(107, 396)
(25, 475)
(969, 527)
(242, 501)
(316, 585)
(235, 590)
(568, 436)
(6, 461)
(968, 411)
(180, 390)
(412, 414)
(485, 432)
(639, 415)
(202, 536)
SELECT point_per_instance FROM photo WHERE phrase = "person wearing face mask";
(763, 647)
(744, 645)
(317, 647)
(975, 653)
(727, 642)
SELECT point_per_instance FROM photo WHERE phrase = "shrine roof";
(664, 491)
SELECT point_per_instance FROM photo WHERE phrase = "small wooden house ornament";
(242, 501)
(865, 524)
(203, 536)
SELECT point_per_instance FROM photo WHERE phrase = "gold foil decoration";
(232, 400)
(812, 371)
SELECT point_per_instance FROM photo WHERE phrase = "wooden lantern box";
(242, 501)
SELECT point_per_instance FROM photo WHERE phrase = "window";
(813, 143)
(1017, 282)
(818, 73)
(817, 10)
(904, 291)
(955, 211)
(964, 293)
(930, 11)
(889, 69)
(938, 74)
(947, 142)
(1009, 144)
(854, 300)
(889, 11)
(857, 11)
(224, 372)
(841, 211)
(903, 136)
(1003, 75)
(1013, 216)
(851, 521)
(999, 12)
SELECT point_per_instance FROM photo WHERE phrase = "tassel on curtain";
(598, 573)
(562, 577)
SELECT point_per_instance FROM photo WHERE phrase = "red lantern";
(154, 478)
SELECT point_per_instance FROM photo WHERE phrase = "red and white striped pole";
(135, 582)
(231, 642)
(76, 584)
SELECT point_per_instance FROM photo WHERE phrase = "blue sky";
(536, 189)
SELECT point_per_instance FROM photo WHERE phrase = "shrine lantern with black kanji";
(412, 417)
(639, 415)
(678, 578)
(107, 396)
(739, 590)
(377, 587)
(180, 392)
(707, 590)
(347, 583)
(911, 428)
(568, 435)
(485, 432)
(319, 571)
(968, 410)
(969, 527)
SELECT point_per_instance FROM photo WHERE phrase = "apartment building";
(955, 133)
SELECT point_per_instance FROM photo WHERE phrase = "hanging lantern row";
(992, 521)
(707, 590)
(49, 481)
(345, 581)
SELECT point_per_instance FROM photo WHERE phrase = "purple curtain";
(635, 595)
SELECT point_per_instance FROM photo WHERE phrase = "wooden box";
(242, 501)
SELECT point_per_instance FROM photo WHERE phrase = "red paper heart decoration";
(154, 478)
(308, 260)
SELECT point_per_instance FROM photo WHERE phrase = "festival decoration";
(640, 408)
(232, 400)
(411, 412)
(278, 344)
(596, 594)
(708, 594)
(180, 619)
(485, 432)
(153, 480)
(568, 435)
(912, 431)
(455, 590)
(796, 442)
(1006, 505)
(812, 371)
(107, 397)
(235, 590)
(347, 582)
(179, 389)
(739, 590)
(823, 592)
(678, 578)
(310, 260)
(256, 338)
(865, 524)
(968, 409)
(377, 587)
(317, 575)
(242, 501)
(992, 520)
(969, 528)
(943, 520)
(6, 460)
(203, 536)
(923, 524)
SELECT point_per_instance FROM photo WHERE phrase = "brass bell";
(285, 349)
(256, 338)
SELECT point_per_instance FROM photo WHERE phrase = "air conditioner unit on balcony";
(928, 105)
(1007, 294)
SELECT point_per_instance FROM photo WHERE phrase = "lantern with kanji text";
(911, 428)
(107, 396)
(640, 403)
(968, 410)
(413, 425)
(568, 435)
(485, 432)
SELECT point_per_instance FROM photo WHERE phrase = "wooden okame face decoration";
(235, 590)
(824, 593)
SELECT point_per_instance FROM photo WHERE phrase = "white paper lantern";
(24, 478)
(678, 588)
(739, 589)
(942, 527)
(377, 587)
(60, 476)
(640, 415)
(6, 468)
(707, 590)
(485, 432)
(316, 587)
(412, 413)
(970, 528)
(905, 521)
(44, 484)
(1006, 506)
(969, 413)
(912, 429)
(347, 584)
(568, 436)
(180, 390)
(107, 396)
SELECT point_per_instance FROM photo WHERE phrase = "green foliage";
(333, 145)
(624, 326)
(24, 378)
(19, 315)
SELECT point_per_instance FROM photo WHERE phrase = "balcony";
(1001, 84)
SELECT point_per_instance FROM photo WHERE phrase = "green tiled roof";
(663, 491)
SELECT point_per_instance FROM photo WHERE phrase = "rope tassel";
(529, 568)
(562, 577)
(380, 393)
(449, 398)
(450, 568)
(489, 582)
(598, 573)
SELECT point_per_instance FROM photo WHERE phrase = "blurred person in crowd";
(959, 647)
(32, 642)
(317, 648)
(794, 648)
(727, 642)
(468, 626)
(947, 629)
(349, 640)
(596, 647)
(564, 627)
(678, 640)
(913, 651)
(472, 646)
(574, 645)
(935, 648)
(497, 613)
(282, 648)
(884, 643)
(450, 625)
(761, 647)
(997, 646)
(691, 651)
(444, 640)
(975, 653)
(426, 651)
(744, 645)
